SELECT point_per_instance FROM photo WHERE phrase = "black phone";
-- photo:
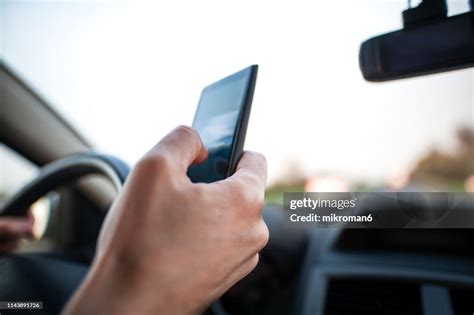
(221, 120)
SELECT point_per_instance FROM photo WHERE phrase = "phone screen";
(217, 121)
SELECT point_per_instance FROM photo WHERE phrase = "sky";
(125, 73)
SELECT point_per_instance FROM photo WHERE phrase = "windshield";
(125, 74)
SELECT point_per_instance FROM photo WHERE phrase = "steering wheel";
(63, 171)
(46, 277)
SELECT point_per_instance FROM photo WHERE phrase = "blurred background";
(125, 73)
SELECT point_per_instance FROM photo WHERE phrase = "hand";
(12, 230)
(169, 246)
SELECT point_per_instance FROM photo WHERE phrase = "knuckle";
(235, 191)
(242, 195)
(186, 131)
(262, 159)
(253, 182)
(253, 179)
(153, 164)
(254, 261)
(257, 158)
(252, 200)
(263, 235)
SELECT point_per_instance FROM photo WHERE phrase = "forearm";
(100, 293)
(110, 289)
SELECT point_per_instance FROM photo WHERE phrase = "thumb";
(182, 146)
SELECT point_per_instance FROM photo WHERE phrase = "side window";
(15, 172)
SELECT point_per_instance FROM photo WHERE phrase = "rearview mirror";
(439, 45)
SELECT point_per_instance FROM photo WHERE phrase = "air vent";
(372, 297)
(443, 242)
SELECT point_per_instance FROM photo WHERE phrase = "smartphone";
(221, 120)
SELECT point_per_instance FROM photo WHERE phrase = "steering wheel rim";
(63, 171)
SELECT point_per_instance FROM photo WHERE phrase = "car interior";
(302, 270)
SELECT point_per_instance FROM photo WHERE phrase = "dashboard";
(333, 271)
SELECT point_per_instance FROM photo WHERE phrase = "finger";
(250, 175)
(252, 163)
(30, 216)
(16, 227)
(182, 146)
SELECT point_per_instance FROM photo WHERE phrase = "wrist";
(107, 289)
